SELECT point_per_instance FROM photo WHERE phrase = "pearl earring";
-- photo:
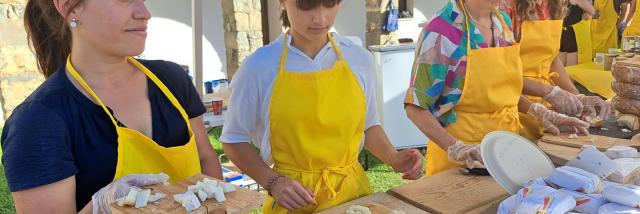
(73, 23)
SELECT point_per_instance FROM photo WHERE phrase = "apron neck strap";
(467, 16)
(88, 89)
(285, 51)
(74, 73)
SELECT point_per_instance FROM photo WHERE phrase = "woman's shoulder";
(53, 93)
(267, 56)
(447, 22)
(352, 47)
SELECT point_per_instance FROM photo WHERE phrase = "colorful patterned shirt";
(439, 68)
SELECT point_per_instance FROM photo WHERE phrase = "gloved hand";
(466, 153)
(564, 102)
(552, 121)
(595, 105)
(120, 188)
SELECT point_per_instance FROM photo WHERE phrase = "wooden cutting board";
(601, 142)
(489, 208)
(381, 202)
(450, 192)
(558, 154)
(241, 201)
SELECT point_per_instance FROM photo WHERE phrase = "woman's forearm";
(209, 163)
(245, 157)
(378, 144)
(429, 125)
(586, 7)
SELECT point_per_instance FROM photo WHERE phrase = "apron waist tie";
(509, 117)
(546, 77)
(324, 177)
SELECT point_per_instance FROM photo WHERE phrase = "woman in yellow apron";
(604, 31)
(459, 93)
(102, 121)
(633, 29)
(307, 100)
(538, 26)
(579, 11)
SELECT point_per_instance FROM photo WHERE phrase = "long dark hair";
(306, 5)
(48, 33)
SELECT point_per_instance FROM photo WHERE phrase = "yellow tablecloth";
(596, 79)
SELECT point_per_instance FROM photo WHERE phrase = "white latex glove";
(120, 188)
(595, 105)
(464, 153)
(552, 121)
(564, 102)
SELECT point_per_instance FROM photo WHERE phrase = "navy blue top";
(57, 132)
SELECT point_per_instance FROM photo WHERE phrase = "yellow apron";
(633, 29)
(317, 122)
(604, 33)
(489, 100)
(138, 153)
(540, 44)
(582, 31)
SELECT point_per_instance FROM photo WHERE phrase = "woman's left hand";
(409, 162)
(595, 105)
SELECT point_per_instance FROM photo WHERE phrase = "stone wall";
(376, 11)
(243, 31)
(19, 75)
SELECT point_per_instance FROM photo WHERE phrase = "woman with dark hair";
(102, 121)
(307, 100)
(538, 27)
(578, 10)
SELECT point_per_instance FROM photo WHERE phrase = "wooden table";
(452, 192)
(240, 201)
(561, 149)
(378, 203)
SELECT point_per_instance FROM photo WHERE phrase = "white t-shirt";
(251, 88)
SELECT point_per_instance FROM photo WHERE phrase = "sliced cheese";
(227, 187)
(191, 202)
(595, 121)
(120, 201)
(142, 198)
(202, 195)
(156, 197)
(219, 195)
(130, 200)
(358, 209)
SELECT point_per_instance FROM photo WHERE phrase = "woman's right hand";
(120, 188)
(552, 121)
(564, 102)
(461, 152)
(292, 195)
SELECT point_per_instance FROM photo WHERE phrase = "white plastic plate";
(512, 159)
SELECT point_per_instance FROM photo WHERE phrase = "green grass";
(6, 201)
(381, 176)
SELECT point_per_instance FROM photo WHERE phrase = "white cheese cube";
(142, 198)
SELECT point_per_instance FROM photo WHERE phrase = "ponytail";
(48, 34)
